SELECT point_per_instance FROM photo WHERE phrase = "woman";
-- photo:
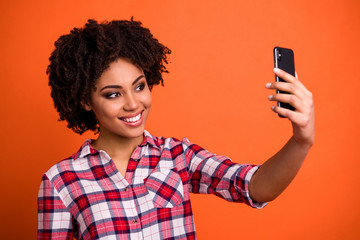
(128, 184)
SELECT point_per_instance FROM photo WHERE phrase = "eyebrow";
(118, 86)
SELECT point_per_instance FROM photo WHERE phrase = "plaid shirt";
(86, 197)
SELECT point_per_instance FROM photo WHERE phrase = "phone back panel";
(284, 59)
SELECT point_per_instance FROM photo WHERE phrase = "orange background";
(215, 95)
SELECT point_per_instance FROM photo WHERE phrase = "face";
(121, 101)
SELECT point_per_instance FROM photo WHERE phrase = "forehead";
(121, 72)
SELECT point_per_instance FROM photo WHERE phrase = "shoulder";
(77, 162)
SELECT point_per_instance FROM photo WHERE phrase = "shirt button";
(126, 189)
(134, 221)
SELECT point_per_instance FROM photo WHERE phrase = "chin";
(133, 133)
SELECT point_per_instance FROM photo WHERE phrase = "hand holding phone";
(284, 60)
(299, 97)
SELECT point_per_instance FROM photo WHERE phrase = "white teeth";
(133, 119)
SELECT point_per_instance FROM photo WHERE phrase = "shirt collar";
(86, 148)
(151, 140)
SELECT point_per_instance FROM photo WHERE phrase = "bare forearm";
(277, 172)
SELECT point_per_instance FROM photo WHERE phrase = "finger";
(291, 79)
(297, 118)
(291, 115)
(290, 88)
(284, 75)
(293, 100)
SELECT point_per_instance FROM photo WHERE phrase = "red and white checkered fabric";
(86, 197)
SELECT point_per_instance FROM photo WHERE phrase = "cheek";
(107, 109)
(146, 99)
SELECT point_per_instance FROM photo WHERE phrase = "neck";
(116, 146)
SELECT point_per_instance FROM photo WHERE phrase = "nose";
(131, 103)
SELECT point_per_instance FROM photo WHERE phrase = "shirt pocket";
(165, 188)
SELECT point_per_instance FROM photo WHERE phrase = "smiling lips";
(133, 121)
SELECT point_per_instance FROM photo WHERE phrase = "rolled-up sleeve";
(54, 219)
(215, 174)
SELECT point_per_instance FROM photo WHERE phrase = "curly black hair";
(81, 56)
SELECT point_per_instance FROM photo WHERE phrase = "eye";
(112, 95)
(140, 87)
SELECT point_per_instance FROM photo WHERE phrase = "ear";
(86, 106)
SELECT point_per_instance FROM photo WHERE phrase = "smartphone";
(284, 59)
